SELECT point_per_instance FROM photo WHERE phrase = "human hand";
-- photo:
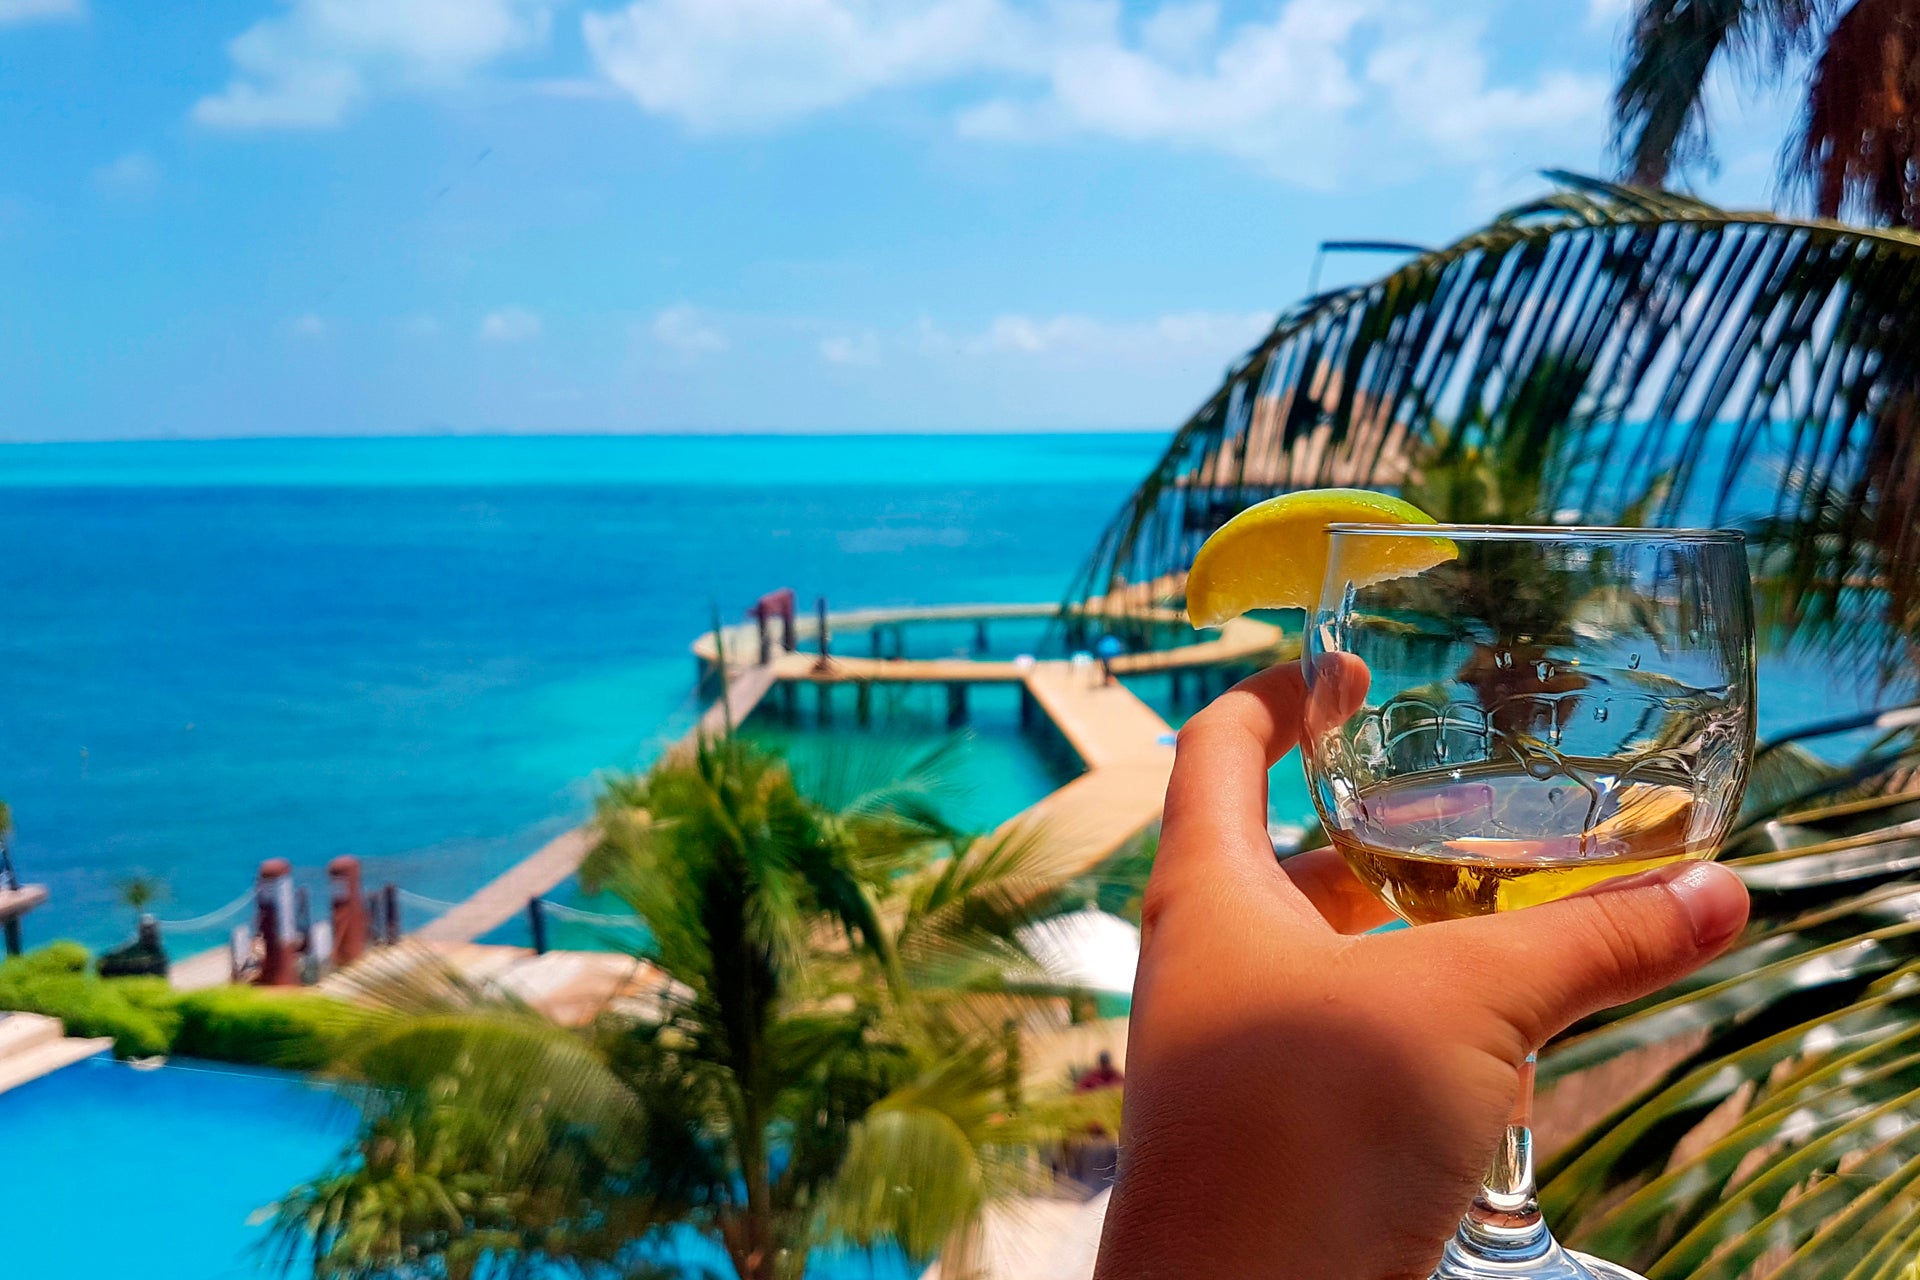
(1307, 1104)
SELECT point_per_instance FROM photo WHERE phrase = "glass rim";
(1540, 532)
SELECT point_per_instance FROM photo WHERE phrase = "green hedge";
(297, 1030)
(147, 1018)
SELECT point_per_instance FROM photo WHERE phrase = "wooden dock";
(1126, 748)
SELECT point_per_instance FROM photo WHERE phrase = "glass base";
(1555, 1264)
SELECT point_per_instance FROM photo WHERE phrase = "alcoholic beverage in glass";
(1548, 709)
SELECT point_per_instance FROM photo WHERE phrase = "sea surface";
(421, 651)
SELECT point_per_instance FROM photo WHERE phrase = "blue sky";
(312, 217)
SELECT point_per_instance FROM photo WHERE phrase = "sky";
(379, 217)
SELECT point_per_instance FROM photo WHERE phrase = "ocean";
(421, 651)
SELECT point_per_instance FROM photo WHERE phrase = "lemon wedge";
(1273, 555)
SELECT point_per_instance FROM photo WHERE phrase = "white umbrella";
(1089, 949)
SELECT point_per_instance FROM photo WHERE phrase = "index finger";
(1216, 811)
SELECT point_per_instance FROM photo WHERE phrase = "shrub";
(298, 1031)
(138, 1013)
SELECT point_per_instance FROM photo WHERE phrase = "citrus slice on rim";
(1274, 554)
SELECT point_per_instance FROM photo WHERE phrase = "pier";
(1124, 745)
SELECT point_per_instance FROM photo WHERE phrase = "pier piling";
(537, 924)
(956, 705)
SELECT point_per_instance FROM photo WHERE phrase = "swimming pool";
(118, 1174)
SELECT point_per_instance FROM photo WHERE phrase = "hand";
(1306, 1104)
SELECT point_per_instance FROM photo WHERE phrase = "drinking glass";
(1549, 708)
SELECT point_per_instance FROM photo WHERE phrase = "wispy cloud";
(688, 330)
(855, 349)
(510, 324)
(1297, 88)
(421, 326)
(133, 176)
(1176, 335)
(309, 325)
(310, 66)
(14, 11)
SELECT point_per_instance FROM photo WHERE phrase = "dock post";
(863, 703)
(956, 704)
(823, 702)
(12, 930)
(766, 638)
(537, 923)
(789, 701)
(820, 607)
(873, 638)
(1176, 687)
(980, 645)
(1027, 707)
(391, 892)
(899, 639)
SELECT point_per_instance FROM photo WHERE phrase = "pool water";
(118, 1173)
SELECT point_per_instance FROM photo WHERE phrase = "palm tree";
(1856, 148)
(139, 892)
(833, 1054)
(1611, 354)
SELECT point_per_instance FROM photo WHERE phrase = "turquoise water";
(117, 1173)
(161, 1175)
(420, 651)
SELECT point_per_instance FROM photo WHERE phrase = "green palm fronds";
(833, 1053)
(1606, 354)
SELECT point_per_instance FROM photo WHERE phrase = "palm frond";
(1673, 46)
(1737, 367)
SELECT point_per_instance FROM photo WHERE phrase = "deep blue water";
(420, 651)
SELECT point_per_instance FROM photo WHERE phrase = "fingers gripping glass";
(1545, 710)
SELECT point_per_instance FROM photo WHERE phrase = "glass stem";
(1504, 1221)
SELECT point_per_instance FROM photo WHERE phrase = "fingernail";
(1713, 899)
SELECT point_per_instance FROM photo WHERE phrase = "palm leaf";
(1738, 366)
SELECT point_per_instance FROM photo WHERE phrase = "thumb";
(1545, 967)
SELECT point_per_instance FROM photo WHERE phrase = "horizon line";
(731, 434)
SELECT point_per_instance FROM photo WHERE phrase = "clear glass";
(1548, 709)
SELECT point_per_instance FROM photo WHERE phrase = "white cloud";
(308, 325)
(687, 330)
(12, 11)
(742, 64)
(1606, 13)
(133, 176)
(510, 324)
(311, 65)
(857, 349)
(1175, 336)
(1310, 89)
(421, 326)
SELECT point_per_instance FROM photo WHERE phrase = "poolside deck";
(32, 1046)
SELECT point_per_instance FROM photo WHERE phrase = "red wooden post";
(274, 923)
(349, 909)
